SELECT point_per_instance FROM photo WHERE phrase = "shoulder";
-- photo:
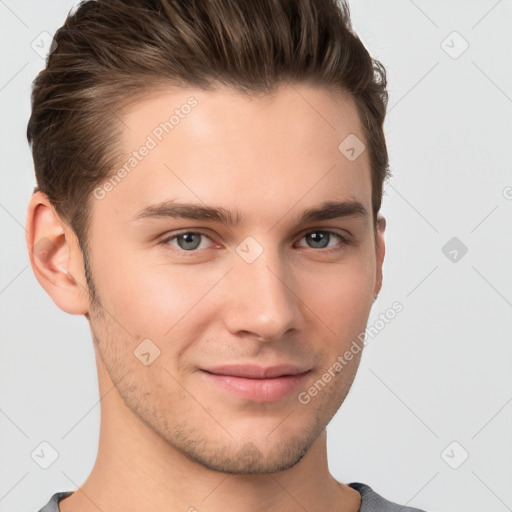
(373, 502)
(53, 504)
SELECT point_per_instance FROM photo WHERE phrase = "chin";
(251, 460)
(246, 452)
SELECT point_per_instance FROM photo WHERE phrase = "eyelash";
(345, 241)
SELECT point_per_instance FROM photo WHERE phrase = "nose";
(261, 301)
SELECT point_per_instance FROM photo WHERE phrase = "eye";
(188, 241)
(320, 239)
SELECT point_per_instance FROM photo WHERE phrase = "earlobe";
(55, 256)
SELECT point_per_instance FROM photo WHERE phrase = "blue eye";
(320, 239)
(188, 241)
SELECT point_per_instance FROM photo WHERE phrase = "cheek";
(161, 301)
(140, 292)
(341, 295)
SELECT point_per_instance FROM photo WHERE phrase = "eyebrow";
(325, 211)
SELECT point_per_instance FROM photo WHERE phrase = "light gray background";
(438, 373)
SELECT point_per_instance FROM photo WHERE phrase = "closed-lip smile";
(256, 383)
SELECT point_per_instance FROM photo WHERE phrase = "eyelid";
(174, 234)
(343, 233)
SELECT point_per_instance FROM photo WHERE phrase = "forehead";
(300, 109)
(258, 154)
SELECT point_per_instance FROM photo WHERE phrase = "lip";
(257, 383)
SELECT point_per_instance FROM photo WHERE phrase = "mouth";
(256, 383)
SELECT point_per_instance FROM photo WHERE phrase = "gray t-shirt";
(370, 501)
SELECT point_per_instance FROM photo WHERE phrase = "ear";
(380, 251)
(55, 256)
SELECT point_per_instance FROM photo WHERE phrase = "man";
(210, 176)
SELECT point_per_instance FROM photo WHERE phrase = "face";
(230, 284)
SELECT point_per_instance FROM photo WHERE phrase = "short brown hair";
(110, 52)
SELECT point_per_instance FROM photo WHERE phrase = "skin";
(169, 438)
